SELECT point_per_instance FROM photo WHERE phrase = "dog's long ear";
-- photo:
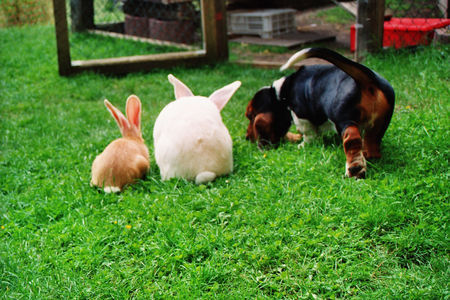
(221, 97)
(262, 128)
(180, 89)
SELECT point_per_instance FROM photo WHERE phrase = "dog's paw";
(356, 169)
(301, 145)
(293, 137)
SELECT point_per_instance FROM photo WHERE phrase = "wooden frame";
(214, 36)
(369, 27)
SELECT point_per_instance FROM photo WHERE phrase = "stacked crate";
(266, 23)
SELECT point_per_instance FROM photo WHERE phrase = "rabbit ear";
(134, 111)
(121, 120)
(221, 96)
(180, 89)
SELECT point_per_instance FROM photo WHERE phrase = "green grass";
(107, 12)
(93, 46)
(238, 47)
(284, 224)
(336, 15)
(243, 51)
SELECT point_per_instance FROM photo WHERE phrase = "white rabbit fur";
(190, 139)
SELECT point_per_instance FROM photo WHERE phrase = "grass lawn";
(85, 46)
(284, 224)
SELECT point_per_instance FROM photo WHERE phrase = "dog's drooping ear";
(180, 89)
(221, 97)
(262, 130)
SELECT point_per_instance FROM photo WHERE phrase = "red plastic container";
(404, 32)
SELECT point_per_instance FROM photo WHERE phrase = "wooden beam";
(215, 39)
(62, 37)
(141, 39)
(376, 25)
(351, 7)
(82, 14)
(221, 30)
(139, 63)
(139, 58)
(361, 32)
(369, 27)
(214, 29)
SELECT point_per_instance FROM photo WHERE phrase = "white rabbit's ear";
(180, 89)
(134, 111)
(221, 96)
(121, 120)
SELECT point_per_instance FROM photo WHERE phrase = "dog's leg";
(306, 129)
(378, 121)
(293, 137)
(327, 126)
(371, 144)
(373, 137)
(309, 132)
(356, 164)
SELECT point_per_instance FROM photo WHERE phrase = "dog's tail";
(358, 72)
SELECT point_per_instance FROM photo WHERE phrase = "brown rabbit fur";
(126, 159)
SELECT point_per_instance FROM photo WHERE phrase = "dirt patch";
(307, 21)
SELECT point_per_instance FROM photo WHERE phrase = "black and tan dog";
(346, 95)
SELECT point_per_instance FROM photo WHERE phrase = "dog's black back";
(311, 94)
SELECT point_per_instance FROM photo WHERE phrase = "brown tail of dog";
(358, 72)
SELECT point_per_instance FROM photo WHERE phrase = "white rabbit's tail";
(205, 177)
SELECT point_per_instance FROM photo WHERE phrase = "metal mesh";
(417, 8)
(19, 12)
(415, 22)
(115, 28)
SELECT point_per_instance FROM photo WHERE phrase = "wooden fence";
(215, 43)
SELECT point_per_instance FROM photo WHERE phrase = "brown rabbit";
(126, 159)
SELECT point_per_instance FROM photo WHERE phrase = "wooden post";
(82, 14)
(444, 7)
(376, 25)
(215, 42)
(369, 27)
(215, 29)
(62, 37)
(361, 30)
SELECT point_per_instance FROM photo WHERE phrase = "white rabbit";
(126, 159)
(190, 139)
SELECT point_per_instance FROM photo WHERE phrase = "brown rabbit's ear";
(180, 89)
(134, 111)
(121, 120)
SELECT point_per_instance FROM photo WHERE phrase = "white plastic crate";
(267, 23)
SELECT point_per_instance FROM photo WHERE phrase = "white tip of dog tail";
(205, 177)
(111, 189)
(294, 58)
